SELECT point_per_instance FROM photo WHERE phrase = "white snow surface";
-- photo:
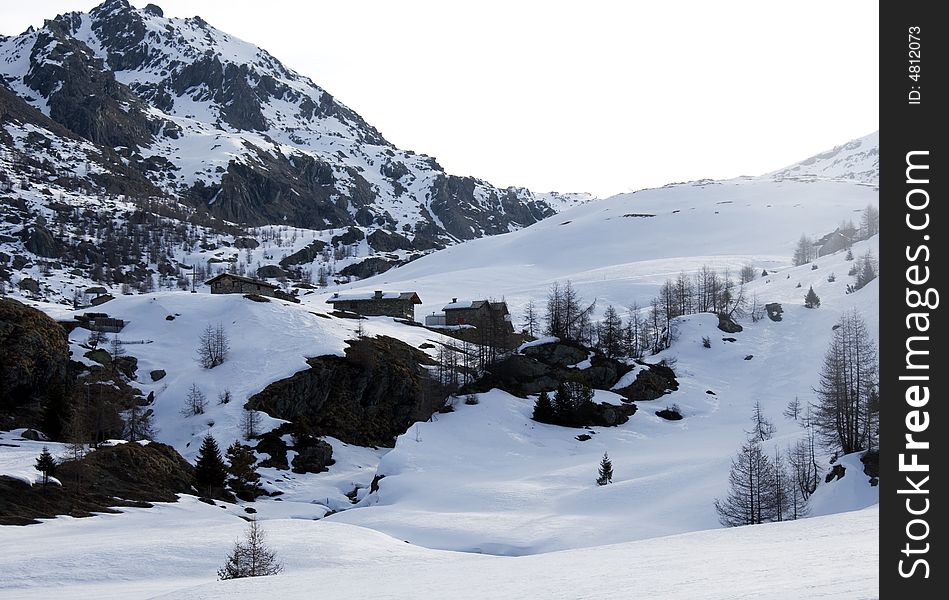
(173, 550)
(486, 479)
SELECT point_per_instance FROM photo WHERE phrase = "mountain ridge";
(222, 126)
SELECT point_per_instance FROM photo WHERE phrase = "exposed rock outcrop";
(34, 359)
(124, 475)
(367, 397)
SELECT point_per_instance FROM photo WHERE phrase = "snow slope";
(857, 161)
(158, 552)
(619, 250)
(487, 478)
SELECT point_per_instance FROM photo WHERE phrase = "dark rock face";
(544, 367)
(34, 356)
(368, 267)
(836, 472)
(728, 325)
(313, 456)
(270, 271)
(351, 236)
(871, 465)
(40, 241)
(157, 374)
(651, 383)
(455, 205)
(305, 255)
(276, 189)
(30, 285)
(368, 397)
(124, 475)
(83, 94)
(774, 311)
(383, 241)
(246, 242)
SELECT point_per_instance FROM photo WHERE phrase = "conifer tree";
(750, 498)
(210, 473)
(846, 410)
(811, 300)
(244, 479)
(605, 471)
(543, 409)
(45, 464)
(251, 557)
(761, 428)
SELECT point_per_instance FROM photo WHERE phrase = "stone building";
(378, 304)
(482, 314)
(228, 283)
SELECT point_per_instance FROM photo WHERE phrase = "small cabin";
(228, 283)
(94, 321)
(400, 305)
(478, 313)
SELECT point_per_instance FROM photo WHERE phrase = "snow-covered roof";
(463, 304)
(379, 295)
(457, 304)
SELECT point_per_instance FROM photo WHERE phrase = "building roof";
(240, 278)
(474, 304)
(379, 295)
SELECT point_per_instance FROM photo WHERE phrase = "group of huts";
(400, 305)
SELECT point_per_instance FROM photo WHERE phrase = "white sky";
(595, 96)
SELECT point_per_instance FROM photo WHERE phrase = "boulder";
(246, 243)
(669, 414)
(28, 284)
(650, 383)
(268, 271)
(384, 241)
(351, 236)
(368, 267)
(367, 397)
(728, 325)
(774, 310)
(313, 456)
(126, 365)
(35, 435)
(40, 241)
(305, 255)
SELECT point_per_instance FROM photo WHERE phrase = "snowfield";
(484, 502)
(173, 550)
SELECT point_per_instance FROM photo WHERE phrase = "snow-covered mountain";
(857, 161)
(218, 123)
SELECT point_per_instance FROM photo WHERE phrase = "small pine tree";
(849, 254)
(244, 479)
(606, 470)
(45, 464)
(543, 409)
(811, 300)
(250, 558)
(210, 473)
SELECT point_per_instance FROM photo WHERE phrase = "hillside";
(485, 479)
(838, 555)
(123, 112)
